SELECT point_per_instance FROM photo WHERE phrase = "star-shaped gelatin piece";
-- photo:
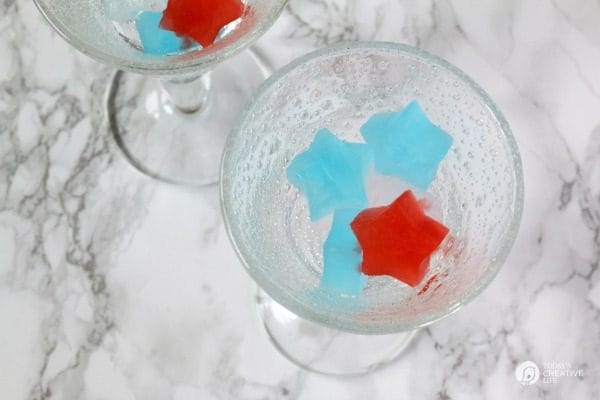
(331, 174)
(342, 256)
(407, 145)
(398, 240)
(154, 39)
(200, 20)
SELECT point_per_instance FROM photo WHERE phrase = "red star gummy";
(200, 20)
(398, 240)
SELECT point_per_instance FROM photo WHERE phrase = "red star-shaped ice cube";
(398, 240)
(200, 20)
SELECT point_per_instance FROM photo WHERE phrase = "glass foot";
(323, 350)
(173, 144)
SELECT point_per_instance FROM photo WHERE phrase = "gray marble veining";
(113, 286)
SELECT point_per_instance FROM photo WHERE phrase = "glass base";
(176, 146)
(323, 350)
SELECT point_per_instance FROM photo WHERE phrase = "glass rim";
(149, 67)
(502, 253)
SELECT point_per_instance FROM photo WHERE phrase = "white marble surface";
(113, 286)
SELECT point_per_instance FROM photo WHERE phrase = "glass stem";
(189, 93)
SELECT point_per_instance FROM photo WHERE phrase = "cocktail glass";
(171, 115)
(479, 189)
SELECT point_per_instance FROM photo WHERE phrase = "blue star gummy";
(342, 256)
(331, 174)
(156, 40)
(407, 145)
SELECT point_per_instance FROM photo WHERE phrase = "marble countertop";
(114, 286)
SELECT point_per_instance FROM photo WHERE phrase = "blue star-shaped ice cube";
(156, 40)
(331, 174)
(407, 145)
(342, 256)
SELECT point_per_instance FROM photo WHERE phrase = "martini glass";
(169, 114)
(478, 189)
